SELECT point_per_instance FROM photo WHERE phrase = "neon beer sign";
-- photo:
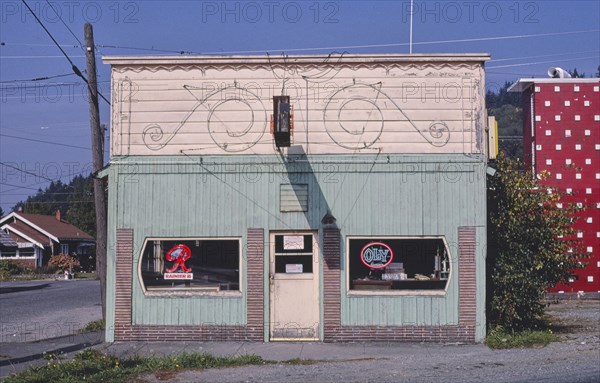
(376, 255)
(178, 255)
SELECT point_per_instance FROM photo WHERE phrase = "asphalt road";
(37, 310)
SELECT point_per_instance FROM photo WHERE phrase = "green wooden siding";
(223, 196)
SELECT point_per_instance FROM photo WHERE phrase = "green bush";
(10, 267)
(529, 246)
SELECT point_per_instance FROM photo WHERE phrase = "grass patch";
(499, 339)
(97, 325)
(94, 366)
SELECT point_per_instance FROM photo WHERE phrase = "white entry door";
(294, 286)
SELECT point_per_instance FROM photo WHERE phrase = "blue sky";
(523, 37)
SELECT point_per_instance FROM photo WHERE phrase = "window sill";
(393, 293)
(191, 292)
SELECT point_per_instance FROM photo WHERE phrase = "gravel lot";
(575, 359)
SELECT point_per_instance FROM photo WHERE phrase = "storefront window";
(199, 264)
(377, 264)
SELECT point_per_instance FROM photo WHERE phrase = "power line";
(39, 78)
(47, 202)
(507, 37)
(43, 182)
(16, 186)
(147, 49)
(73, 66)
(541, 62)
(418, 43)
(66, 26)
(541, 56)
(34, 57)
(44, 142)
(24, 171)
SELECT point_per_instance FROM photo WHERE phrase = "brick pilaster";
(331, 283)
(467, 283)
(123, 282)
(255, 281)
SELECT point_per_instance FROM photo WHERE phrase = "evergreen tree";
(81, 212)
(75, 201)
(507, 109)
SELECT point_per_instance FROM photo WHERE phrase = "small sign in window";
(293, 268)
(293, 242)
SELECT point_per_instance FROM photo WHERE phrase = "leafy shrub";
(63, 262)
(10, 268)
(531, 246)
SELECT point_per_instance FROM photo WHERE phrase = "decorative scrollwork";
(354, 117)
(153, 135)
(440, 133)
(223, 130)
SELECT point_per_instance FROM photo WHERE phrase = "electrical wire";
(182, 52)
(417, 43)
(541, 62)
(39, 78)
(66, 26)
(43, 182)
(147, 49)
(73, 66)
(47, 202)
(44, 142)
(35, 57)
(24, 171)
(16, 186)
(541, 56)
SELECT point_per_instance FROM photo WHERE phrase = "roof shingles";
(60, 229)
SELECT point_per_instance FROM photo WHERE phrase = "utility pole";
(98, 163)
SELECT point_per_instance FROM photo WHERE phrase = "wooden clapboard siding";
(223, 105)
(223, 196)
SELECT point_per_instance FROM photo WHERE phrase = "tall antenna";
(411, 22)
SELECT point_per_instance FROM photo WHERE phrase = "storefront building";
(319, 198)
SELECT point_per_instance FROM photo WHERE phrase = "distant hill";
(507, 109)
(75, 201)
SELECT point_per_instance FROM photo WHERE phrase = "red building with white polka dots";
(561, 134)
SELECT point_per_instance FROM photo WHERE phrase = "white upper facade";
(341, 104)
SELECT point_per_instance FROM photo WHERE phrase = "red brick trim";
(331, 282)
(163, 333)
(255, 282)
(123, 281)
(467, 283)
(448, 333)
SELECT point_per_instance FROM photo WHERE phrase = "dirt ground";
(575, 359)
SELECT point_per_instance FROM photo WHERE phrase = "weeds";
(93, 366)
(500, 339)
(97, 325)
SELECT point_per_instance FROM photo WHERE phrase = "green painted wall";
(401, 195)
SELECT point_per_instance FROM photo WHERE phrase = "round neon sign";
(376, 255)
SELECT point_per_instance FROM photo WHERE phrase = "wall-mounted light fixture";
(282, 121)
